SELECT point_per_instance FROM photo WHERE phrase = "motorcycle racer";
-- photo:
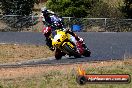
(51, 21)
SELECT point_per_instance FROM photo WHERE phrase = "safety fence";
(101, 24)
(34, 24)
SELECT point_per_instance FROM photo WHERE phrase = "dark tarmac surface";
(103, 46)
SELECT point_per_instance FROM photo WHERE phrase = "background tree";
(104, 10)
(17, 7)
(0, 4)
(77, 8)
(127, 8)
(83, 8)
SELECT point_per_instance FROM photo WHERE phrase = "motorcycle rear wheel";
(86, 52)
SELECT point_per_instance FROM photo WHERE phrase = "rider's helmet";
(44, 11)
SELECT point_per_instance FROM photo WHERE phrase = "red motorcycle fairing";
(80, 48)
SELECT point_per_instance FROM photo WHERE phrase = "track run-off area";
(103, 46)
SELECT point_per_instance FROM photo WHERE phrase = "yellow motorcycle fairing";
(68, 43)
(58, 38)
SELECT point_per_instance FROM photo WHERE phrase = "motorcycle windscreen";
(53, 34)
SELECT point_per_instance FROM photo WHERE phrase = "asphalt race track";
(103, 46)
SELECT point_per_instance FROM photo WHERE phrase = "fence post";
(69, 22)
(105, 23)
(32, 23)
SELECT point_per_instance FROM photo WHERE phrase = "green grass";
(58, 79)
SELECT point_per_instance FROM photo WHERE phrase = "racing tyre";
(72, 51)
(77, 55)
(87, 52)
(58, 54)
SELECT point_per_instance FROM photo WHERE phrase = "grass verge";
(16, 52)
(62, 76)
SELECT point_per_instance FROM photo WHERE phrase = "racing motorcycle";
(64, 46)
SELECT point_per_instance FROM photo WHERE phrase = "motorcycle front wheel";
(59, 54)
(71, 51)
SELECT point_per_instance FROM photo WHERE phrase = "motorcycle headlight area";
(57, 38)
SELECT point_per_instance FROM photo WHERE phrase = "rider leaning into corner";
(49, 18)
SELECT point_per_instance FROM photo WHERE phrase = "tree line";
(70, 8)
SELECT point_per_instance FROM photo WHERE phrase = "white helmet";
(43, 9)
(46, 11)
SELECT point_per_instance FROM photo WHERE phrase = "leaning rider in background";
(49, 18)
